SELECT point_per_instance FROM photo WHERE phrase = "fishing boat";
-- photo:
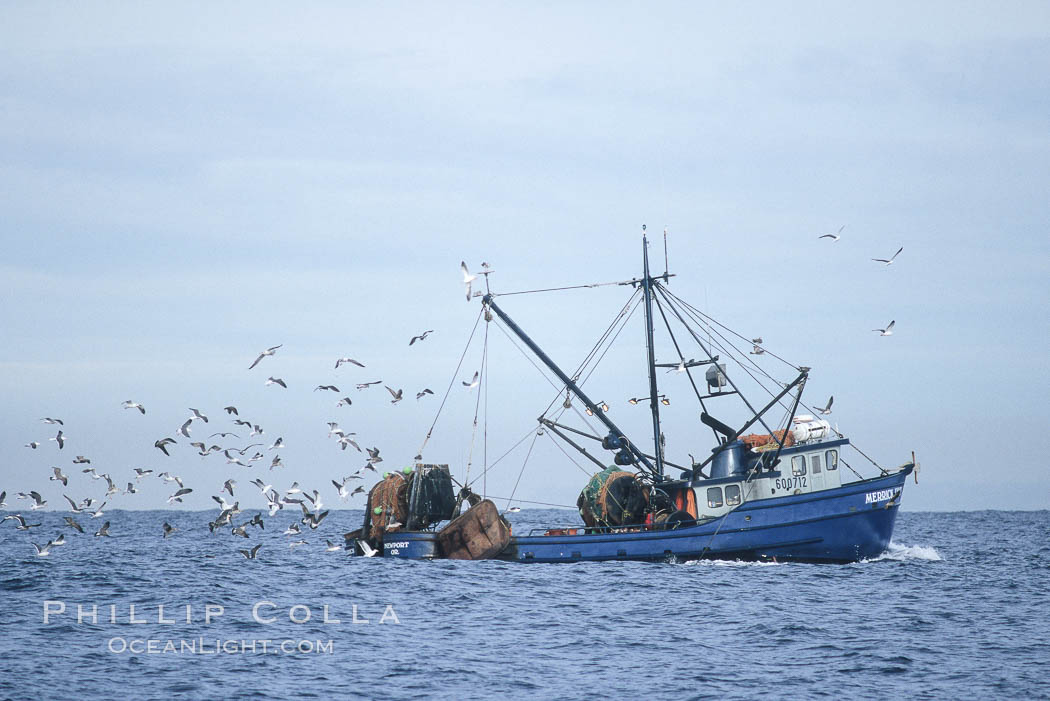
(783, 491)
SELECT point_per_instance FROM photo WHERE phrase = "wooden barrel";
(479, 534)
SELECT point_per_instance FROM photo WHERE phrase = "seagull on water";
(332, 547)
(133, 405)
(827, 410)
(293, 530)
(168, 529)
(888, 331)
(43, 551)
(268, 351)
(888, 261)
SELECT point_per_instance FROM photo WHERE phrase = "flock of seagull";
(888, 331)
(229, 518)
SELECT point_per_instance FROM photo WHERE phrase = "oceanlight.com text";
(204, 646)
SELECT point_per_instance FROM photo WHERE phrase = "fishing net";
(613, 497)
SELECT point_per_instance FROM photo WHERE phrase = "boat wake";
(899, 551)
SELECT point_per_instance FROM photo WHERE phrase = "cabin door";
(816, 471)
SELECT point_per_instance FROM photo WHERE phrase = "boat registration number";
(790, 483)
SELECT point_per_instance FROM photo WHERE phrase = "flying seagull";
(827, 410)
(888, 331)
(268, 351)
(330, 388)
(43, 551)
(425, 392)
(104, 531)
(340, 361)
(49, 420)
(198, 415)
(276, 381)
(184, 429)
(38, 501)
(366, 385)
(758, 349)
(835, 236)
(889, 261)
(73, 523)
(59, 477)
(420, 337)
(251, 554)
(81, 460)
(345, 401)
(473, 382)
(231, 410)
(33, 444)
(133, 405)
(60, 439)
(168, 529)
(396, 395)
(467, 277)
(163, 444)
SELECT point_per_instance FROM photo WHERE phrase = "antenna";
(666, 267)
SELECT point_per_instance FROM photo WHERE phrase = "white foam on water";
(898, 551)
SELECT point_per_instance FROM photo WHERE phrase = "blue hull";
(844, 524)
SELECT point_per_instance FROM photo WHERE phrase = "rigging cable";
(557, 289)
(768, 352)
(455, 374)
(524, 462)
(477, 404)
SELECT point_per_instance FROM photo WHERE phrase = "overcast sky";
(185, 185)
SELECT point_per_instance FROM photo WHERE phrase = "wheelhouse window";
(798, 465)
(714, 496)
(732, 495)
(831, 459)
(814, 463)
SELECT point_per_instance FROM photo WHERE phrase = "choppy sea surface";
(958, 608)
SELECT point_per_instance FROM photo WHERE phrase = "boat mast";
(654, 404)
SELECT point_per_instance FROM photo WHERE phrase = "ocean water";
(958, 608)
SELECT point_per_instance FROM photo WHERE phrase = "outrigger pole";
(620, 440)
